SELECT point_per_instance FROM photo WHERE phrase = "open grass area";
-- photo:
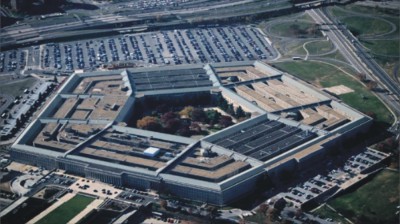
(367, 10)
(324, 75)
(319, 47)
(67, 211)
(296, 29)
(17, 88)
(383, 47)
(374, 202)
(325, 212)
(336, 55)
(360, 25)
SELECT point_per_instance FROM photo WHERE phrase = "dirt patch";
(339, 90)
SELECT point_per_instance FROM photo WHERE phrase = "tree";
(222, 103)
(371, 114)
(198, 114)
(172, 125)
(362, 77)
(184, 131)
(225, 121)
(262, 208)
(185, 112)
(149, 123)
(213, 116)
(195, 127)
(240, 112)
(371, 85)
(230, 110)
(167, 116)
(213, 211)
(163, 204)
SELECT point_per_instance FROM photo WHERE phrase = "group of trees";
(186, 122)
(229, 108)
(169, 122)
(190, 119)
(371, 84)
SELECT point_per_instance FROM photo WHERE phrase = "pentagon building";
(84, 131)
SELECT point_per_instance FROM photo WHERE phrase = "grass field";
(296, 29)
(66, 211)
(17, 88)
(319, 47)
(366, 25)
(324, 75)
(374, 202)
(325, 212)
(384, 47)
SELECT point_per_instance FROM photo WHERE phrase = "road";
(23, 33)
(354, 52)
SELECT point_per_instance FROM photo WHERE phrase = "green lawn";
(325, 212)
(17, 88)
(324, 75)
(384, 47)
(66, 211)
(319, 47)
(374, 202)
(296, 29)
(366, 25)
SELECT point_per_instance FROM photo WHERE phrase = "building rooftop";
(80, 122)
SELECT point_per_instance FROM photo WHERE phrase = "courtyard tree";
(198, 114)
(184, 131)
(172, 125)
(167, 116)
(185, 112)
(213, 116)
(225, 121)
(240, 112)
(149, 123)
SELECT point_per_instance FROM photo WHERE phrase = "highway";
(24, 33)
(354, 52)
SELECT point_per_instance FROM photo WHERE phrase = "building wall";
(34, 159)
(196, 194)
(240, 189)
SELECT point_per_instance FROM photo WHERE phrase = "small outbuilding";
(151, 151)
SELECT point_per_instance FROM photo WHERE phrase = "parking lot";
(11, 61)
(185, 46)
(321, 186)
(200, 45)
(136, 196)
(19, 113)
(94, 187)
